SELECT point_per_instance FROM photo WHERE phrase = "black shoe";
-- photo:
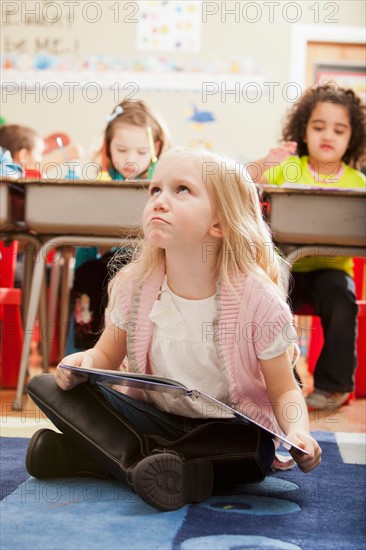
(166, 482)
(50, 454)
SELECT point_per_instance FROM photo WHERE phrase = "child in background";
(25, 146)
(205, 261)
(9, 168)
(126, 152)
(27, 149)
(327, 129)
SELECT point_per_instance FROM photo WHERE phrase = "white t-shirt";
(186, 352)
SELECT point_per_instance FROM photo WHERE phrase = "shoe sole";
(167, 483)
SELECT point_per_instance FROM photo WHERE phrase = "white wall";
(243, 128)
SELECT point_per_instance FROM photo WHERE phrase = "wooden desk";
(70, 214)
(316, 221)
(103, 209)
(101, 213)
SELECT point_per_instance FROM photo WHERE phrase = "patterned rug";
(287, 511)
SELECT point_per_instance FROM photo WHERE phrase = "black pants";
(239, 453)
(331, 292)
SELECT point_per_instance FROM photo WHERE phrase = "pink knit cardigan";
(242, 330)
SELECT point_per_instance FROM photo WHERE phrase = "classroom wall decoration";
(64, 64)
(169, 26)
(53, 45)
(200, 117)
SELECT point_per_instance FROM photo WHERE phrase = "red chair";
(316, 337)
(11, 329)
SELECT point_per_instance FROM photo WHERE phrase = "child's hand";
(279, 154)
(67, 379)
(304, 440)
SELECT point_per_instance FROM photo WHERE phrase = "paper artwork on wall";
(200, 117)
(169, 26)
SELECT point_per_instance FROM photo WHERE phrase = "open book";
(157, 383)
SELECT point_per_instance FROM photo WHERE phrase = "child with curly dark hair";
(326, 128)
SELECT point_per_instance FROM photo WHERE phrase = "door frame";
(302, 34)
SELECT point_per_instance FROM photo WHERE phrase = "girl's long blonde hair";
(246, 246)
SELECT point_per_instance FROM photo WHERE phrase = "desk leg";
(44, 325)
(65, 300)
(29, 255)
(53, 302)
(36, 289)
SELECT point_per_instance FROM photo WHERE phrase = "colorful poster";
(169, 26)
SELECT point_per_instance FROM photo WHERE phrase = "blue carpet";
(288, 511)
(12, 467)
